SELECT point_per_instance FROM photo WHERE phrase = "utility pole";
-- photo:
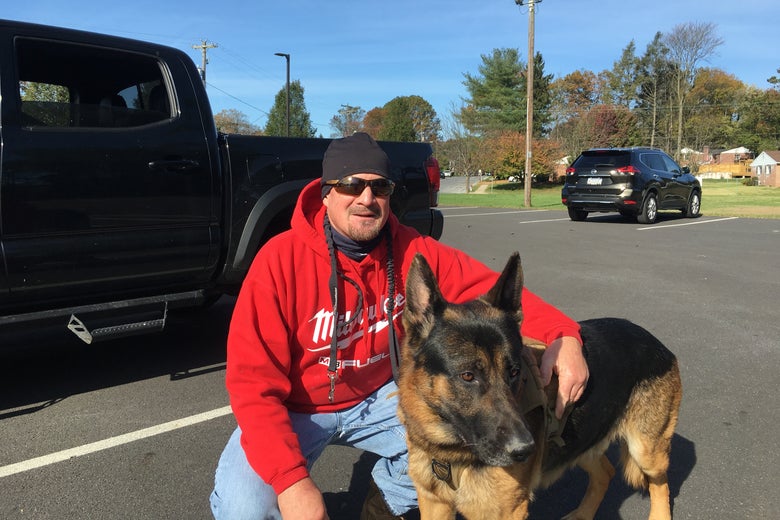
(529, 125)
(204, 46)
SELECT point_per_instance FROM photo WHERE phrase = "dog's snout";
(521, 451)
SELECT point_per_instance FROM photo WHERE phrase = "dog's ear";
(423, 297)
(508, 289)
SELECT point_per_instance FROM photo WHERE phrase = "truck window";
(66, 85)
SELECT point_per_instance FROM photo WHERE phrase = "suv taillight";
(570, 170)
(630, 170)
(434, 179)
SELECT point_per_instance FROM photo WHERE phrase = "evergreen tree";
(300, 119)
(498, 96)
(622, 79)
(654, 89)
(542, 98)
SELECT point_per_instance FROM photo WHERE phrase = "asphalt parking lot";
(133, 428)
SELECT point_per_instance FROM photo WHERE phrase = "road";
(133, 428)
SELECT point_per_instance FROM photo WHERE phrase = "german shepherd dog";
(476, 445)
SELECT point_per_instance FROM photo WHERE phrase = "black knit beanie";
(357, 153)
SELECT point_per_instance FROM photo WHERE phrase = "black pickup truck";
(119, 200)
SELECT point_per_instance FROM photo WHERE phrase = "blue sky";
(366, 52)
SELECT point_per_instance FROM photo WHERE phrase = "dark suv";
(635, 182)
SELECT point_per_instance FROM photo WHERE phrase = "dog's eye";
(467, 376)
(514, 372)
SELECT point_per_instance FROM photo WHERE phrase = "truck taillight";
(434, 179)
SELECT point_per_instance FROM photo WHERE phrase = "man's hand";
(564, 358)
(302, 501)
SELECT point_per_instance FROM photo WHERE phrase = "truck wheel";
(577, 215)
(649, 210)
(694, 205)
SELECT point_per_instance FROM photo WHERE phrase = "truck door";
(107, 181)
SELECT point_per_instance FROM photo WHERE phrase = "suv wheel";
(649, 210)
(694, 205)
(577, 215)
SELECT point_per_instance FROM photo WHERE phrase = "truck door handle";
(173, 165)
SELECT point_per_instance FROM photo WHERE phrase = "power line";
(238, 99)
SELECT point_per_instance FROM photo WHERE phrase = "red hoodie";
(280, 334)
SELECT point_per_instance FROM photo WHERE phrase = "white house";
(764, 168)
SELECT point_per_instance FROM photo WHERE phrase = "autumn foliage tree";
(232, 121)
(503, 154)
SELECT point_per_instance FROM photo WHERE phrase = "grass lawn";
(722, 198)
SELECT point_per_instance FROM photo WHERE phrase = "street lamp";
(287, 58)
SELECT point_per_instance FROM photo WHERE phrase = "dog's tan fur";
(483, 491)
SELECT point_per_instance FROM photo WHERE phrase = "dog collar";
(443, 471)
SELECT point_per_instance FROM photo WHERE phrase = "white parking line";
(664, 226)
(543, 220)
(52, 458)
(508, 212)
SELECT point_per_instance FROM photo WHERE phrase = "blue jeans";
(373, 425)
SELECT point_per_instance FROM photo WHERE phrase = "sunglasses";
(354, 186)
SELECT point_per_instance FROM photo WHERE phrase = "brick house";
(764, 168)
(726, 164)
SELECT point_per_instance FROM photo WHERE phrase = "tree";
(758, 127)
(397, 125)
(33, 91)
(542, 98)
(460, 152)
(622, 79)
(654, 74)
(347, 121)
(497, 94)
(716, 97)
(48, 102)
(231, 121)
(572, 95)
(300, 119)
(373, 122)
(498, 98)
(774, 80)
(689, 44)
(425, 122)
(409, 118)
(613, 126)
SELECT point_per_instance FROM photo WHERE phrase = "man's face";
(359, 217)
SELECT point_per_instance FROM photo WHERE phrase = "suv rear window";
(653, 160)
(603, 159)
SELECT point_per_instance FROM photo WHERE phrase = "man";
(309, 357)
